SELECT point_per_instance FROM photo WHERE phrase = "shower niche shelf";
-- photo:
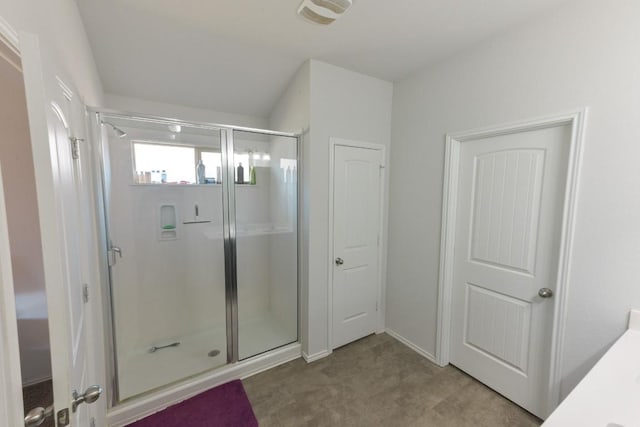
(168, 227)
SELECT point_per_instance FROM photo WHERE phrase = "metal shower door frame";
(100, 156)
(230, 252)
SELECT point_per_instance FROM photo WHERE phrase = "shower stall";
(201, 246)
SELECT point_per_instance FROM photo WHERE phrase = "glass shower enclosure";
(202, 246)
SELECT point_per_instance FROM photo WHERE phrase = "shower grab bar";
(154, 348)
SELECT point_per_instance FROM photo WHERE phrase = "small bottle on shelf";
(240, 174)
(163, 177)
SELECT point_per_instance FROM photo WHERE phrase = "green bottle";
(252, 175)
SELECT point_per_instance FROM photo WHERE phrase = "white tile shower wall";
(162, 288)
(283, 257)
(165, 289)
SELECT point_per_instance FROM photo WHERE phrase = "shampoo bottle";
(240, 174)
(200, 173)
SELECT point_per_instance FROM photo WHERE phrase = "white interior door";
(356, 231)
(72, 231)
(65, 222)
(509, 212)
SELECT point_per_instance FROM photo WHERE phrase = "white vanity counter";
(609, 395)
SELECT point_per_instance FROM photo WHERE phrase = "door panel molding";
(333, 143)
(577, 121)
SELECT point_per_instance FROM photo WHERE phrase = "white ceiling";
(237, 56)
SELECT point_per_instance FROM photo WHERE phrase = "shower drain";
(214, 353)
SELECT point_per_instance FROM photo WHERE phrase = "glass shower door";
(266, 217)
(165, 226)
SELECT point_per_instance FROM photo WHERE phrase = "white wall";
(23, 223)
(347, 105)
(63, 41)
(173, 111)
(325, 101)
(585, 54)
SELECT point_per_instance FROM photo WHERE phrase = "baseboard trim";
(316, 356)
(424, 353)
(129, 412)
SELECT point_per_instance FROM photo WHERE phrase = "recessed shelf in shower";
(168, 222)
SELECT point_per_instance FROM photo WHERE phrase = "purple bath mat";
(223, 406)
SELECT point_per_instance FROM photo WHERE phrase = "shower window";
(176, 160)
(179, 162)
(212, 164)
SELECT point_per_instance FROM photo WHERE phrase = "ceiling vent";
(323, 12)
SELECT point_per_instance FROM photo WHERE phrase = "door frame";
(454, 141)
(11, 405)
(10, 375)
(381, 285)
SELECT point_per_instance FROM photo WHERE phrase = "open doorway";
(24, 235)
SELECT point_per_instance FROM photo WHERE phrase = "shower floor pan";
(143, 372)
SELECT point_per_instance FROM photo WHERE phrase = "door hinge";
(111, 254)
(380, 169)
(63, 417)
(376, 305)
(75, 147)
(85, 293)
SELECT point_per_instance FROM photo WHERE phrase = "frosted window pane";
(177, 161)
(212, 161)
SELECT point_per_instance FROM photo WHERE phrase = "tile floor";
(377, 381)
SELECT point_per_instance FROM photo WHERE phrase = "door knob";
(545, 293)
(90, 395)
(339, 261)
(36, 416)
